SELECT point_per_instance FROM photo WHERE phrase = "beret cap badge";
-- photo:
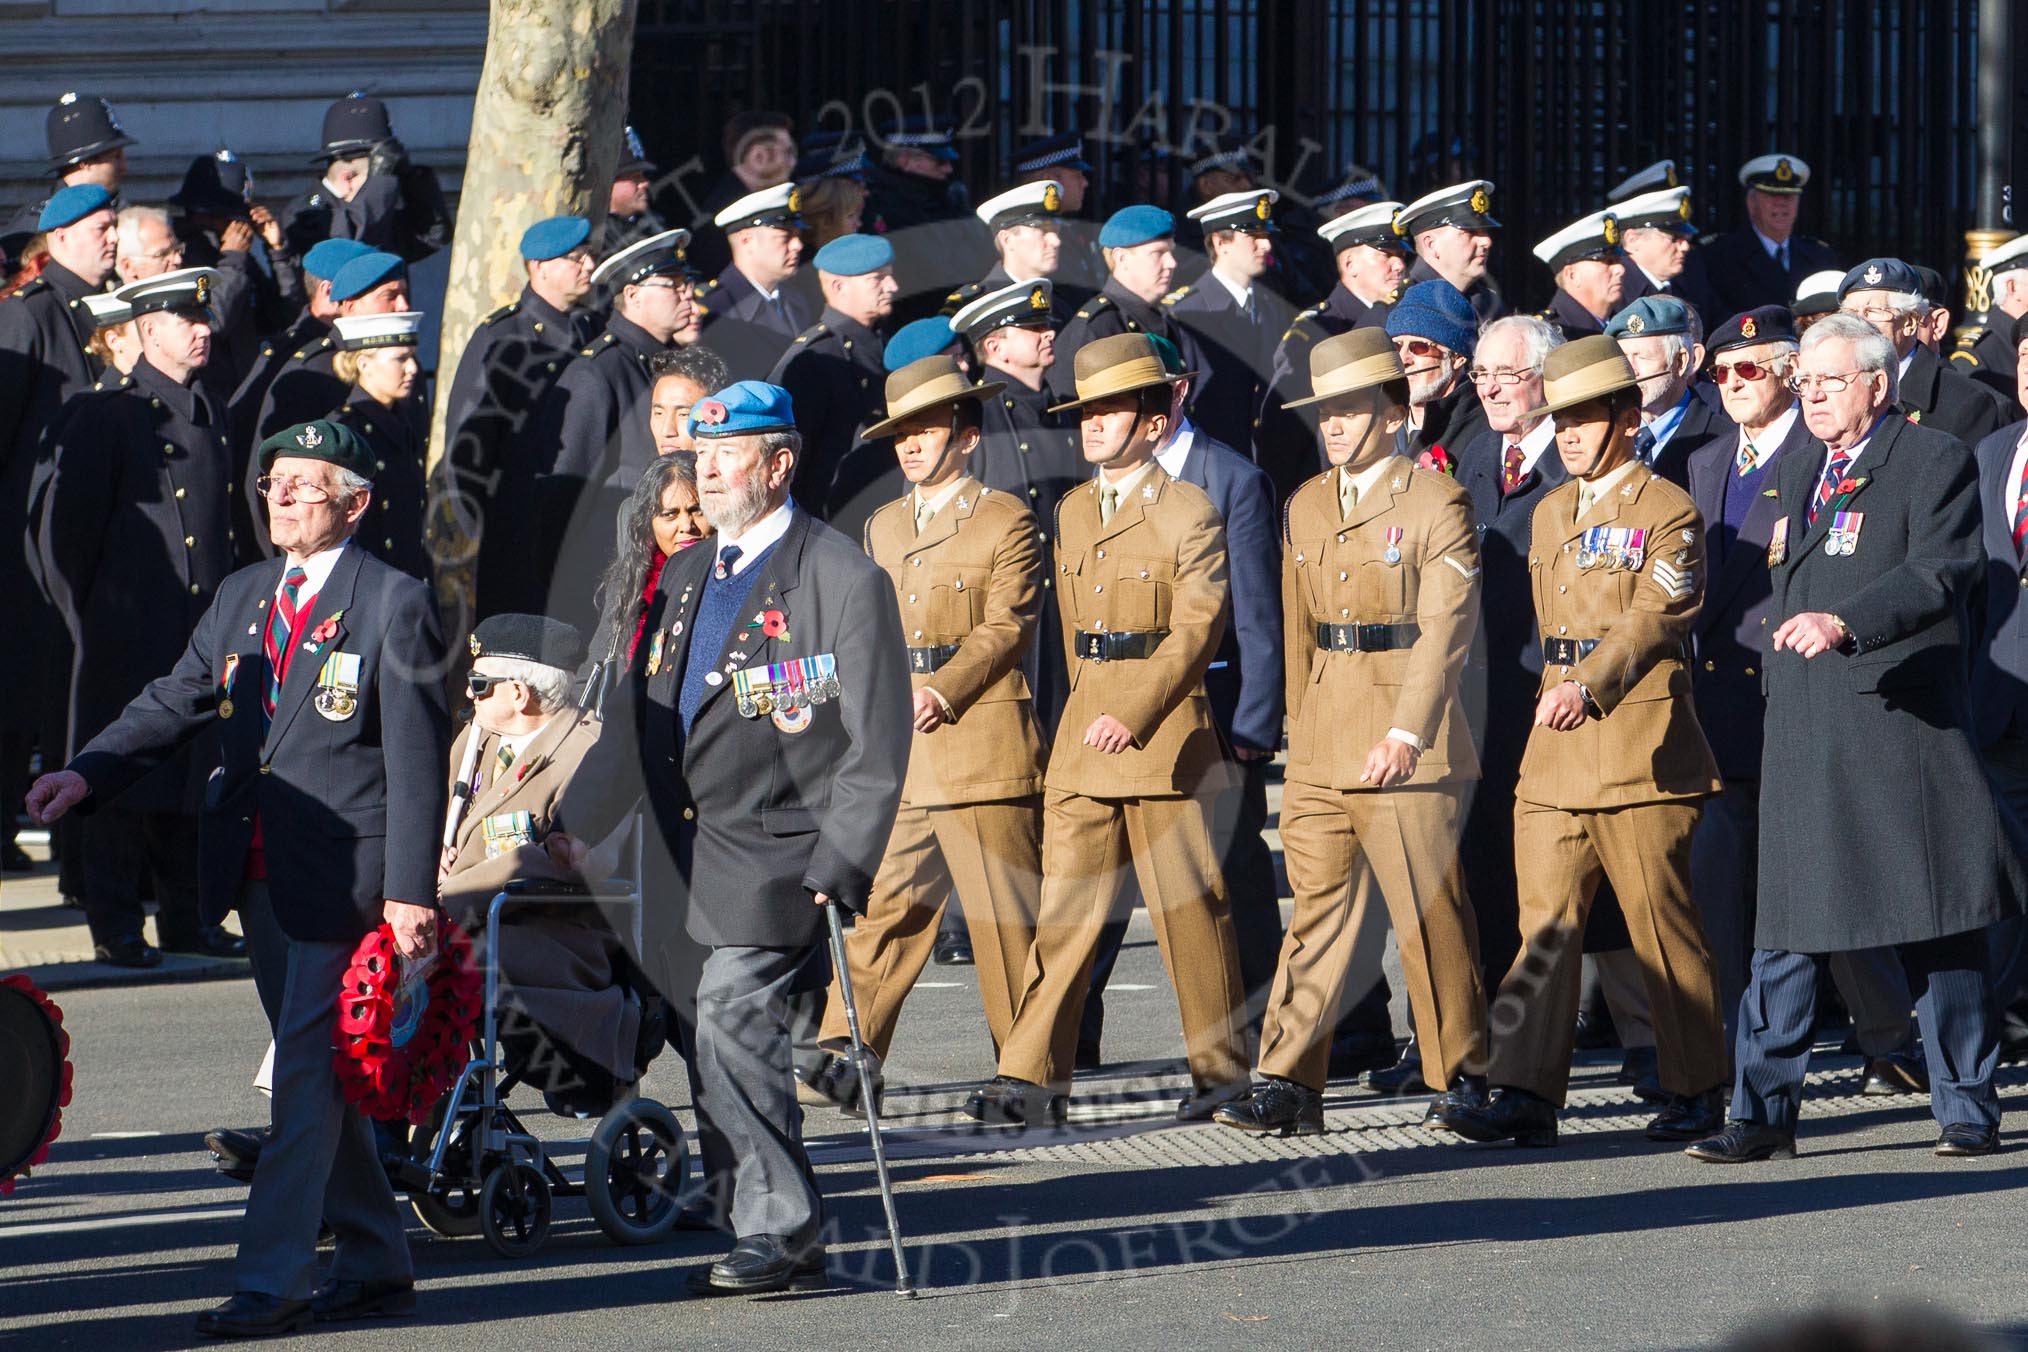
(309, 438)
(1873, 274)
(1635, 324)
(1747, 328)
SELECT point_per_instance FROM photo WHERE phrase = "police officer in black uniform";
(1025, 449)
(1079, 270)
(1451, 231)
(593, 425)
(836, 376)
(1236, 320)
(217, 224)
(378, 352)
(629, 216)
(750, 317)
(137, 525)
(371, 191)
(1371, 259)
(87, 144)
(510, 364)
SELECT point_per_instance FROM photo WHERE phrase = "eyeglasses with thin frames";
(302, 490)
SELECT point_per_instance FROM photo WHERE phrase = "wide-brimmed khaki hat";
(1588, 368)
(1357, 359)
(1121, 364)
(927, 383)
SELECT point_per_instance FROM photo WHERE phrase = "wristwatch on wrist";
(1844, 629)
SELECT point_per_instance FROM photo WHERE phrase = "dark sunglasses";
(1421, 347)
(478, 684)
(1746, 370)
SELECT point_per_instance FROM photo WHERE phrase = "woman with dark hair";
(660, 517)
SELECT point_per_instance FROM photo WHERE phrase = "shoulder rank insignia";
(1178, 294)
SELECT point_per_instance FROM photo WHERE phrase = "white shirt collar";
(1858, 448)
(1774, 249)
(1902, 374)
(1653, 280)
(1239, 293)
(1777, 432)
(758, 537)
(316, 571)
(1173, 454)
(1534, 443)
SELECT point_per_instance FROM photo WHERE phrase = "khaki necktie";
(1584, 497)
(1348, 496)
(1109, 501)
(922, 516)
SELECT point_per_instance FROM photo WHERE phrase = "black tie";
(726, 558)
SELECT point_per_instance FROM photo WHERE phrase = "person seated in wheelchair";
(569, 1020)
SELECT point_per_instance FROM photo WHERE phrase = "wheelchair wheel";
(634, 1170)
(455, 1215)
(514, 1209)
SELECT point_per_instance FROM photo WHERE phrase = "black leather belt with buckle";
(1367, 638)
(922, 661)
(1567, 652)
(1119, 645)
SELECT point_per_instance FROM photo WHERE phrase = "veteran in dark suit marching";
(1380, 595)
(1887, 293)
(1137, 762)
(137, 529)
(967, 571)
(321, 671)
(1616, 768)
(1658, 336)
(1876, 560)
(766, 721)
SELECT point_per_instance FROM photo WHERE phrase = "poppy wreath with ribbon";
(397, 1064)
(34, 1117)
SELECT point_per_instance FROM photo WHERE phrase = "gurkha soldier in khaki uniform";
(967, 573)
(1380, 597)
(1616, 769)
(1137, 763)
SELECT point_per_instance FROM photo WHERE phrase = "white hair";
(550, 684)
(1903, 302)
(349, 484)
(1870, 351)
(128, 223)
(1538, 336)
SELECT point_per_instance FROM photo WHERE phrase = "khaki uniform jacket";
(1648, 746)
(972, 578)
(533, 784)
(1335, 571)
(1158, 565)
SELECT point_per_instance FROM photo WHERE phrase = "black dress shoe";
(1278, 1108)
(759, 1264)
(336, 1300)
(1006, 1101)
(1402, 1076)
(212, 941)
(1642, 1069)
(1199, 1104)
(254, 1314)
(1743, 1143)
(237, 1151)
(952, 950)
(1895, 1073)
(132, 952)
(1689, 1117)
(1510, 1115)
(1966, 1138)
(1595, 1031)
(836, 1081)
(1468, 1091)
(14, 859)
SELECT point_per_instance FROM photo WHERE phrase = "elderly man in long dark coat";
(1886, 831)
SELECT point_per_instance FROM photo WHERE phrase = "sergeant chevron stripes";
(1676, 583)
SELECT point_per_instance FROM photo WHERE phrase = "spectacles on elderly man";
(1502, 375)
(1834, 383)
(302, 490)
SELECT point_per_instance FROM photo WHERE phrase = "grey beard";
(748, 506)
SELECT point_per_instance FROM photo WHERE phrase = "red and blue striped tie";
(1834, 474)
(281, 628)
(2021, 514)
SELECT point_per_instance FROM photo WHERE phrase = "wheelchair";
(487, 1174)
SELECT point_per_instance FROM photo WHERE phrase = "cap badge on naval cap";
(1038, 299)
(309, 438)
(795, 199)
(1612, 231)
(1480, 202)
(1635, 324)
(70, 96)
(1747, 328)
(1260, 206)
(1052, 197)
(1670, 174)
(1784, 171)
(474, 645)
(710, 411)
(1399, 228)
(1873, 275)
(1683, 207)
(203, 288)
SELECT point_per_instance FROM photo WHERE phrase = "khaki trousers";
(1087, 846)
(991, 854)
(1561, 856)
(1336, 842)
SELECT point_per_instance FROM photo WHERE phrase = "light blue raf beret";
(554, 237)
(70, 205)
(1650, 317)
(913, 342)
(854, 255)
(743, 408)
(324, 258)
(1136, 225)
(365, 272)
